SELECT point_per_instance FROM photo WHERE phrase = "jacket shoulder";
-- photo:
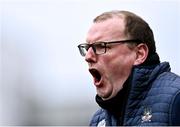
(175, 112)
(168, 79)
(166, 90)
(97, 117)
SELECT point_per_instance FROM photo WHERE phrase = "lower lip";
(99, 83)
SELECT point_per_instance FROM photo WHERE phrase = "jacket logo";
(102, 123)
(147, 115)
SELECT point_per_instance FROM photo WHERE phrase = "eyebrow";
(120, 41)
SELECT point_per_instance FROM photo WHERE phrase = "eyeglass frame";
(105, 45)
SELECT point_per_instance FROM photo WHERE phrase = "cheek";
(119, 65)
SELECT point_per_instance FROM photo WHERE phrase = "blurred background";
(43, 78)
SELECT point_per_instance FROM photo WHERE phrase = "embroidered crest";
(147, 115)
(102, 123)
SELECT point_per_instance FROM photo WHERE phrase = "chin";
(104, 93)
(104, 96)
(107, 96)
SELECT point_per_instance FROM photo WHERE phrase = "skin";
(116, 64)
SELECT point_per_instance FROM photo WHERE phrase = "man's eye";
(86, 47)
(108, 46)
(99, 45)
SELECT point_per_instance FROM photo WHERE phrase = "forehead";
(109, 29)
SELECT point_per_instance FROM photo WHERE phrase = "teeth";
(95, 73)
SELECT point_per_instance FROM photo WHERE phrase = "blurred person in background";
(133, 86)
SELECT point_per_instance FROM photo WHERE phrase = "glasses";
(101, 47)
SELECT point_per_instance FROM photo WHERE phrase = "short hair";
(135, 27)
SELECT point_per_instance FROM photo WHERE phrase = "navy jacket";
(153, 99)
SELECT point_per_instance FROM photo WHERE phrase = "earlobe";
(141, 53)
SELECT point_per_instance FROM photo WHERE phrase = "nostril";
(88, 58)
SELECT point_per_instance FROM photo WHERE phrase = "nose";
(90, 56)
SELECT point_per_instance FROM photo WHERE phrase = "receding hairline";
(121, 14)
(109, 15)
(126, 16)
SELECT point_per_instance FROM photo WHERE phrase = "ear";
(141, 53)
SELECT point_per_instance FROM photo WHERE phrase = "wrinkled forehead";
(106, 30)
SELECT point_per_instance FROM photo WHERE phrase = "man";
(133, 87)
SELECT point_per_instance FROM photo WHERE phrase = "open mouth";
(96, 75)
